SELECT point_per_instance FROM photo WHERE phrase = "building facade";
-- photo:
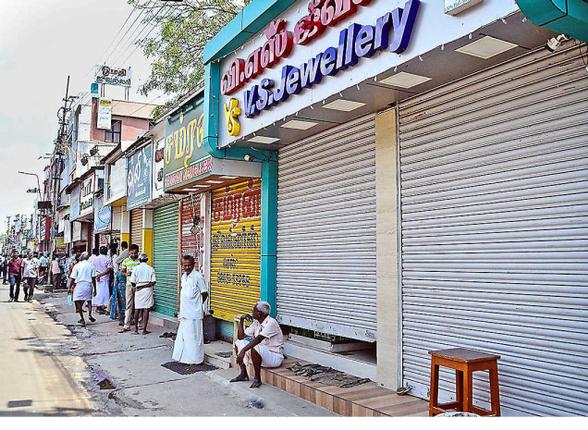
(428, 185)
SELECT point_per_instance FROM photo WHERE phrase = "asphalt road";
(40, 373)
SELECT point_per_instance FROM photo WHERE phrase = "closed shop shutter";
(137, 228)
(326, 259)
(192, 237)
(235, 249)
(165, 258)
(494, 204)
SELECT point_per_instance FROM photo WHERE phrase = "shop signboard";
(158, 153)
(107, 75)
(104, 116)
(102, 215)
(317, 49)
(139, 177)
(235, 249)
(87, 197)
(454, 7)
(75, 203)
(67, 236)
(185, 158)
(117, 180)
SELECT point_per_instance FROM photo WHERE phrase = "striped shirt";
(128, 264)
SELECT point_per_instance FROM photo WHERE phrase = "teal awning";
(569, 17)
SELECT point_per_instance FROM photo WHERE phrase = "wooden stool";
(465, 362)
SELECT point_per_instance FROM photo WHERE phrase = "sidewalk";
(142, 387)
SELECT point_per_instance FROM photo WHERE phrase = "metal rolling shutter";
(165, 258)
(137, 228)
(235, 249)
(494, 203)
(326, 257)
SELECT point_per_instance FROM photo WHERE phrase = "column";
(147, 233)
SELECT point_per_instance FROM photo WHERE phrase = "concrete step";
(218, 353)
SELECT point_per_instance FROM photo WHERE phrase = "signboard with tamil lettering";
(184, 157)
(87, 196)
(139, 177)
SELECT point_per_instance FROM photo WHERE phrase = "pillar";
(125, 226)
(147, 233)
(269, 231)
(387, 279)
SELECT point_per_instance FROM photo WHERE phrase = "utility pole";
(60, 147)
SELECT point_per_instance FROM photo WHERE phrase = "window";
(113, 135)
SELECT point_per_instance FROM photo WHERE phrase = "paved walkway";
(132, 364)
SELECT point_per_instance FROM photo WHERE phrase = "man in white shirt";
(103, 265)
(265, 349)
(143, 280)
(189, 345)
(30, 272)
(83, 286)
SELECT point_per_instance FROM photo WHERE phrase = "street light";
(38, 182)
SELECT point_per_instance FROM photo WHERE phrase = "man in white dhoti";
(189, 345)
(103, 265)
(83, 285)
(262, 343)
(143, 279)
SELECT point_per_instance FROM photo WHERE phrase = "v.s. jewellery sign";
(390, 32)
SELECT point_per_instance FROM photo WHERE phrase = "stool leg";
(434, 388)
(459, 389)
(494, 391)
(467, 391)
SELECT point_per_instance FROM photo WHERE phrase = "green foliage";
(176, 46)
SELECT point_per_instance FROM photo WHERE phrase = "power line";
(145, 36)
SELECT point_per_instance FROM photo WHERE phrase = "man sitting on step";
(261, 343)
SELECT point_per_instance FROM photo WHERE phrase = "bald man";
(262, 343)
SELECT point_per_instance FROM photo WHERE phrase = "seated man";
(266, 347)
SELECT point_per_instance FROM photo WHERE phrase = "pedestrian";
(120, 281)
(43, 266)
(55, 273)
(83, 286)
(30, 274)
(3, 262)
(189, 344)
(262, 344)
(103, 265)
(143, 280)
(14, 276)
(127, 267)
(5, 270)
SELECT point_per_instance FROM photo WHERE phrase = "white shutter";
(326, 257)
(494, 204)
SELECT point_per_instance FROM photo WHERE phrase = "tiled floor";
(366, 400)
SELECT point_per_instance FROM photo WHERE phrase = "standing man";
(30, 273)
(55, 272)
(43, 266)
(127, 267)
(103, 265)
(266, 348)
(119, 293)
(143, 279)
(83, 285)
(14, 275)
(3, 262)
(189, 345)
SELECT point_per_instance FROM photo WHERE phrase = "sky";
(41, 42)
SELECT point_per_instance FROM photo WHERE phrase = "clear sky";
(41, 42)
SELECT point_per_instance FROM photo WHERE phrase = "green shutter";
(165, 258)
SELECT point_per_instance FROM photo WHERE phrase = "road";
(40, 375)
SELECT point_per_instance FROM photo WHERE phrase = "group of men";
(27, 270)
(122, 285)
(119, 285)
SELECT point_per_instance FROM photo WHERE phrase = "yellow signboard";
(235, 249)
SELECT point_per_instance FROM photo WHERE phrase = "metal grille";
(192, 237)
(326, 257)
(494, 210)
(235, 249)
(165, 258)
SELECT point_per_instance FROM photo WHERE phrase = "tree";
(177, 48)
